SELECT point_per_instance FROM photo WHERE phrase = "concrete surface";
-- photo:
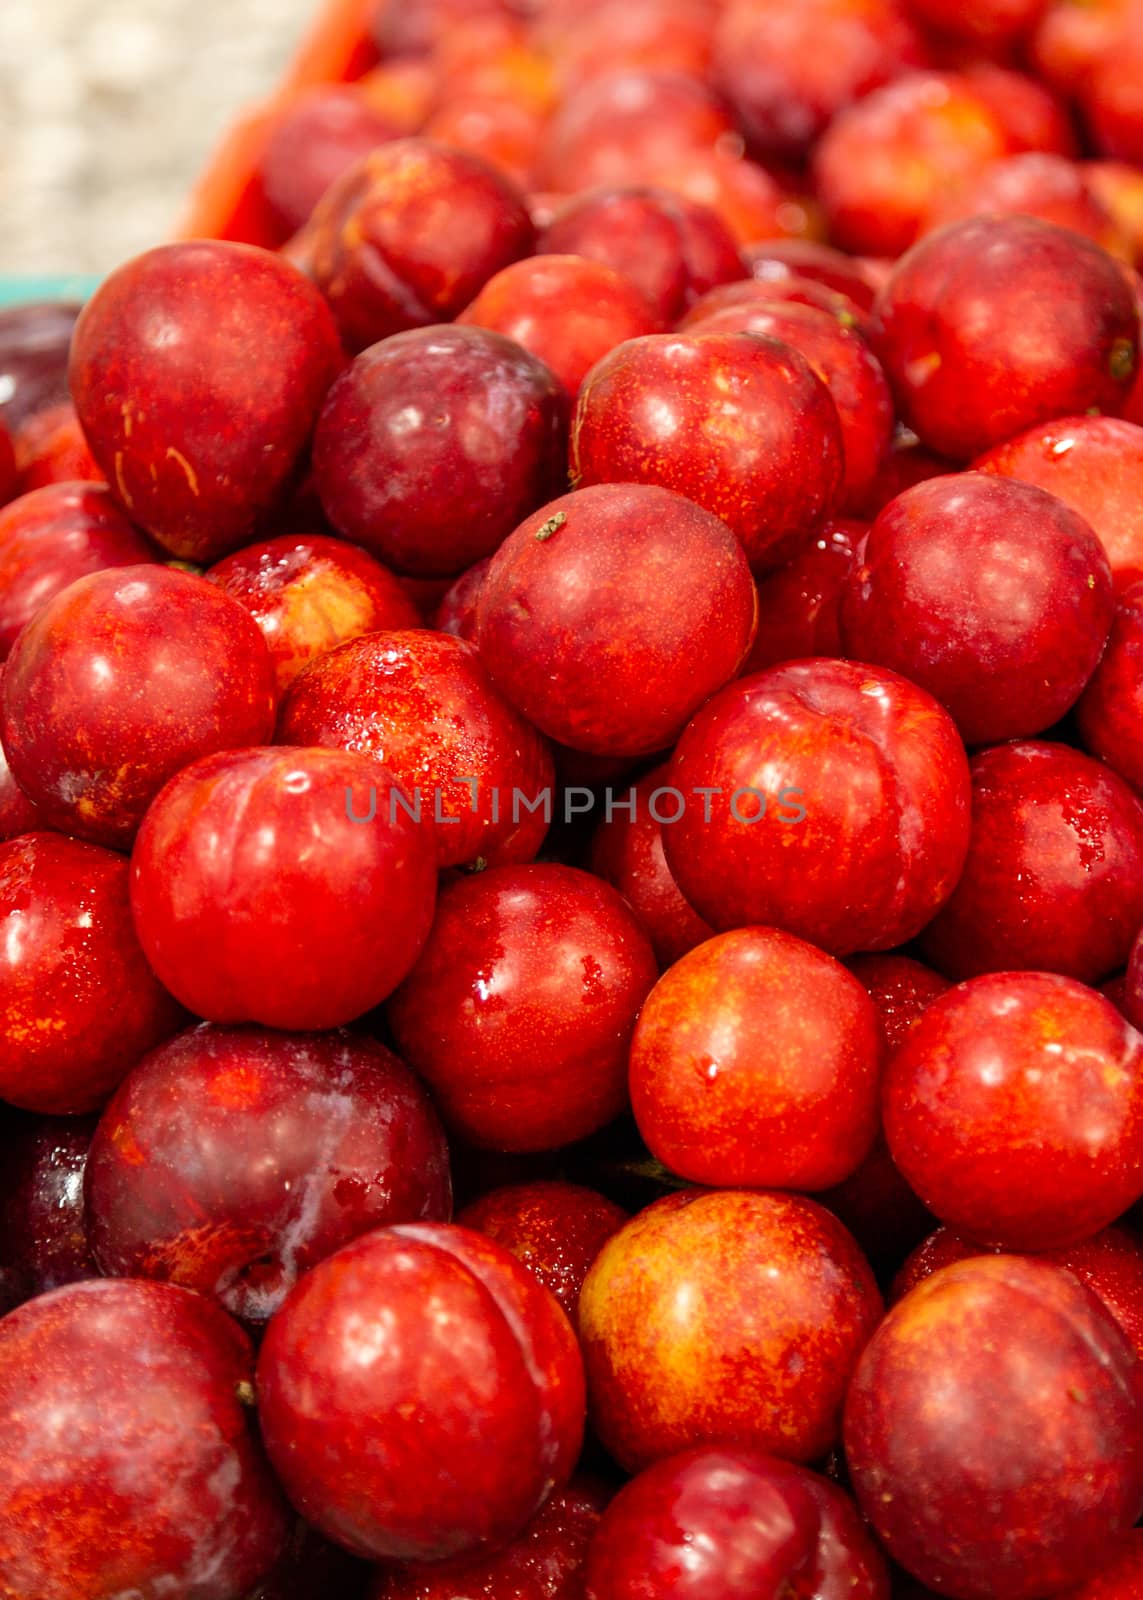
(108, 108)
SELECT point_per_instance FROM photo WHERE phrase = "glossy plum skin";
(51, 537)
(118, 682)
(232, 1160)
(885, 163)
(789, 71)
(422, 706)
(309, 593)
(798, 604)
(991, 594)
(81, 1005)
(963, 312)
(1110, 1263)
(1014, 1108)
(670, 248)
(43, 1228)
(756, 1062)
(17, 813)
(627, 851)
(441, 1435)
(1053, 880)
(436, 443)
(379, 254)
(567, 310)
(197, 370)
(520, 1010)
(1110, 710)
(725, 1523)
(611, 614)
(739, 423)
(556, 1229)
(126, 1435)
(719, 1524)
(857, 873)
(842, 359)
(1094, 465)
(257, 898)
(999, 1395)
(692, 1313)
(544, 1562)
(318, 137)
(779, 290)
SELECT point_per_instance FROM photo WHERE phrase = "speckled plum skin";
(232, 1160)
(611, 614)
(17, 813)
(756, 1062)
(51, 537)
(992, 595)
(126, 1436)
(197, 371)
(1014, 1108)
(1094, 465)
(798, 604)
(672, 249)
(378, 251)
(545, 1562)
(434, 444)
(998, 1396)
(627, 851)
(520, 1009)
(724, 1317)
(732, 1524)
(43, 1228)
(51, 447)
(119, 682)
(421, 1395)
(739, 423)
(422, 705)
(556, 1229)
(80, 1003)
(257, 899)
(1053, 880)
(567, 310)
(1110, 710)
(1110, 1263)
(844, 362)
(993, 325)
(309, 593)
(881, 774)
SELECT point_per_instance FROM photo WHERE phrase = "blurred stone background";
(108, 109)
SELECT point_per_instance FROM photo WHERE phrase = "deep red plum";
(80, 1003)
(232, 1160)
(610, 615)
(120, 681)
(258, 898)
(420, 1395)
(519, 1012)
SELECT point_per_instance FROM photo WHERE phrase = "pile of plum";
(572, 876)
